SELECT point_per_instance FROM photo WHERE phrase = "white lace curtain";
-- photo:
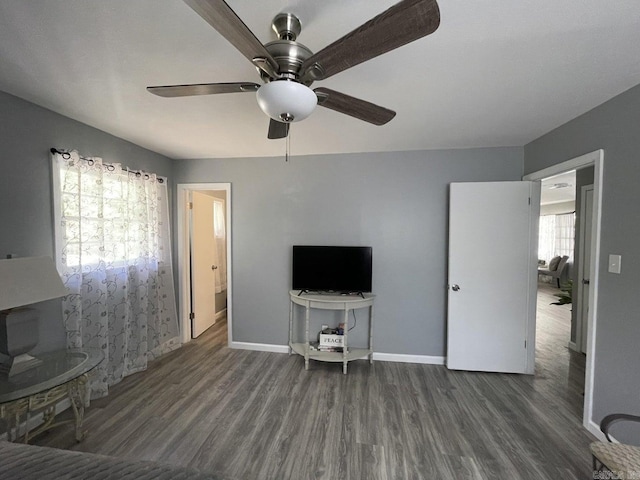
(114, 255)
(557, 236)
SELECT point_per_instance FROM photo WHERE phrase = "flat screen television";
(327, 268)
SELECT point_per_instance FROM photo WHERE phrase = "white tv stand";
(326, 301)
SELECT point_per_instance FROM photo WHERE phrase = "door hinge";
(190, 205)
(192, 316)
(525, 344)
(529, 200)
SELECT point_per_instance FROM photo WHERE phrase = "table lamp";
(23, 281)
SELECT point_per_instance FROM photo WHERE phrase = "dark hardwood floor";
(564, 368)
(257, 415)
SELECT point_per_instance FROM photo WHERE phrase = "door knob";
(455, 287)
(214, 267)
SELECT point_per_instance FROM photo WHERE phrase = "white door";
(584, 265)
(203, 264)
(493, 229)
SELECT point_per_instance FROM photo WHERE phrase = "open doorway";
(595, 160)
(557, 359)
(556, 263)
(207, 259)
(566, 210)
(204, 257)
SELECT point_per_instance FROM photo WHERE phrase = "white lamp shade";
(28, 280)
(286, 101)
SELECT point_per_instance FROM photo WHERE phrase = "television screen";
(339, 269)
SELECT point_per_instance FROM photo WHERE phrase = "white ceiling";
(496, 73)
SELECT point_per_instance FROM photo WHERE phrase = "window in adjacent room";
(557, 236)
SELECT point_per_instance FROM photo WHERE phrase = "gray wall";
(27, 132)
(614, 127)
(395, 202)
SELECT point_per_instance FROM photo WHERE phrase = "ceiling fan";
(288, 68)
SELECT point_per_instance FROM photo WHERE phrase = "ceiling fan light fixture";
(559, 185)
(286, 101)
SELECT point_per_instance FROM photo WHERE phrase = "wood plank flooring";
(257, 415)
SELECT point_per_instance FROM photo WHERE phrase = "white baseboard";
(403, 358)
(573, 346)
(594, 429)
(261, 347)
(383, 357)
(220, 314)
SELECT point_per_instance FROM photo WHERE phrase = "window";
(220, 235)
(107, 214)
(218, 219)
(114, 257)
(556, 236)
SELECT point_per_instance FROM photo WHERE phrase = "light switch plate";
(614, 263)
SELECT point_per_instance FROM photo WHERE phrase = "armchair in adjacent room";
(555, 269)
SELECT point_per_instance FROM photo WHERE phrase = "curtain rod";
(110, 167)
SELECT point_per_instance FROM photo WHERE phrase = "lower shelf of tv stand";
(352, 353)
(347, 304)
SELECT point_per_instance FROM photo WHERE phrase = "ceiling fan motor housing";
(289, 56)
(285, 99)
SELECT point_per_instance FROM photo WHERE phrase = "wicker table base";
(59, 376)
(20, 411)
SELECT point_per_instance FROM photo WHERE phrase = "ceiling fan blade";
(277, 130)
(203, 89)
(403, 23)
(221, 17)
(353, 107)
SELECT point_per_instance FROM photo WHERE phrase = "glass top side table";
(62, 374)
